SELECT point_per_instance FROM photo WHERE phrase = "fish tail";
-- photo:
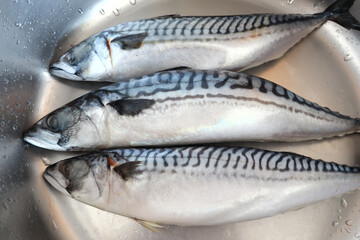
(339, 13)
(357, 124)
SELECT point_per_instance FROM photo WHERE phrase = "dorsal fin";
(128, 170)
(133, 41)
(175, 69)
(131, 107)
(175, 15)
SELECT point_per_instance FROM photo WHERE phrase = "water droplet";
(102, 11)
(14, 127)
(349, 222)
(132, 2)
(26, 146)
(339, 210)
(348, 57)
(2, 123)
(335, 223)
(339, 217)
(343, 203)
(348, 230)
(117, 13)
(290, 1)
(54, 224)
(46, 161)
(18, 24)
(80, 11)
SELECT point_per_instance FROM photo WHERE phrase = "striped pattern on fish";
(178, 81)
(187, 107)
(213, 158)
(142, 47)
(201, 185)
(206, 28)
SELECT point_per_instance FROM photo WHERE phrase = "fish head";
(88, 61)
(66, 129)
(84, 177)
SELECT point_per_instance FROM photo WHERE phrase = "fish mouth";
(43, 139)
(56, 179)
(64, 70)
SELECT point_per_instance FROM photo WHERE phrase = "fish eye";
(53, 122)
(71, 57)
(62, 119)
(64, 169)
(72, 60)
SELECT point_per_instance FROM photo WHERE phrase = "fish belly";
(196, 197)
(234, 52)
(219, 119)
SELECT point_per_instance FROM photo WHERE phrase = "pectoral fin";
(128, 170)
(149, 225)
(129, 42)
(131, 107)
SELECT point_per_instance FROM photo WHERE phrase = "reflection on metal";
(316, 69)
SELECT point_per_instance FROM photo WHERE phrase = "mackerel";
(192, 186)
(187, 107)
(142, 47)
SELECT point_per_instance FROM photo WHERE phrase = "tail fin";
(357, 125)
(339, 13)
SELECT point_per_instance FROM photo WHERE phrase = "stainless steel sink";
(324, 67)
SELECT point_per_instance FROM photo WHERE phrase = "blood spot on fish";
(111, 162)
(108, 44)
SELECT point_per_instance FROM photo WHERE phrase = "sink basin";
(324, 67)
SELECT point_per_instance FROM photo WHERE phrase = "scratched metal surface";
(325, 68)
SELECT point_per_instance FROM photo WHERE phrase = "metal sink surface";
(324, 67)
